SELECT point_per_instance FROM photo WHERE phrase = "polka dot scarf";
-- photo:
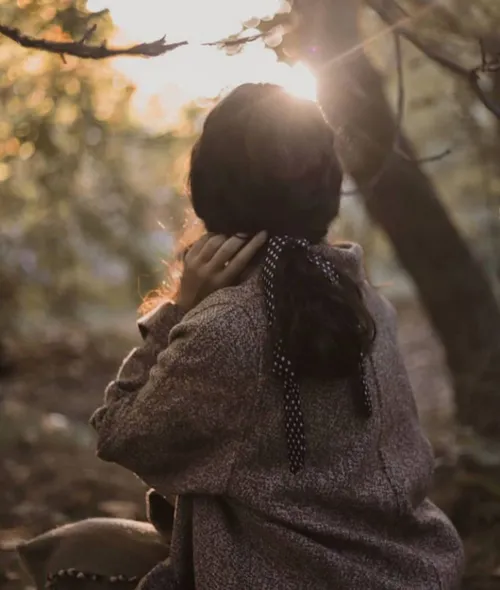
(282, 367)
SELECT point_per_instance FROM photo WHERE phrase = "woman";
(277, 409)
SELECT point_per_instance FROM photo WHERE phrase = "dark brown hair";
(266, 161)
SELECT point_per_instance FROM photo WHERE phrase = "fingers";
(210, 248)
(197, 247)
(226, 252)
(244, 256)
(222, 258)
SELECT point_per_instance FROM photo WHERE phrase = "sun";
(195, 72)
(301, 82)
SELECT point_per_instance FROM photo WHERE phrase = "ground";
(49, 474)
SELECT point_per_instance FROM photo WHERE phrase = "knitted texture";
(197, 412)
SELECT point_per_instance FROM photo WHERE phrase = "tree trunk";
(452, 286)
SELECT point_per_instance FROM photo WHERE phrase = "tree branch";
(395, 17)
(398, 125)
(83, 51)
(236, 41)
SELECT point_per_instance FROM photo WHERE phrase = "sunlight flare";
(300, 82)
(165, 84)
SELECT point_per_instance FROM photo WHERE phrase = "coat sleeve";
(154, 328)
(182, 429)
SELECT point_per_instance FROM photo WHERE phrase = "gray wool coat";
(195, 413)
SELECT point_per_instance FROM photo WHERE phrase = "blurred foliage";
(81, 183)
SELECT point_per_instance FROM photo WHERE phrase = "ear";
(160, 513)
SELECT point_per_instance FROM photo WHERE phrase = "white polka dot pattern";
(282, 367)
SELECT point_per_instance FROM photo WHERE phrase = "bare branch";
(395, 17)
(398, 125)
(88, 33)
(82, 50)
(427, 159)
(237, 41)
(79, 49)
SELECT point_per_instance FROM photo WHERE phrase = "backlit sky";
(195, 72)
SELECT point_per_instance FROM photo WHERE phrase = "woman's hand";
(214, 262)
